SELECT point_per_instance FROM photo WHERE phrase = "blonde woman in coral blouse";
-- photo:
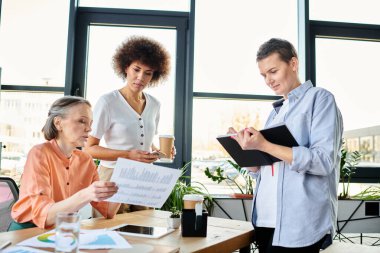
(59, 177)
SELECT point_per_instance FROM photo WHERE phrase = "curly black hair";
(148, 52)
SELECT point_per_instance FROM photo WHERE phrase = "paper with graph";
(142, 183)
(88, 239)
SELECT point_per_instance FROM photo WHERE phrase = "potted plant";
(241, 180)
(358, 213)
(348, 163)
(183, 187)
(238, 204)
(174, 219)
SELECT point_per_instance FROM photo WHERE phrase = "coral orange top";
(49, 177)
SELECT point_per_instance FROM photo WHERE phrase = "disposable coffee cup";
(166, 146)
(191, 201)
(194, 201)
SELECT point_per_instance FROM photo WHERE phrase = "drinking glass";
(67, 232)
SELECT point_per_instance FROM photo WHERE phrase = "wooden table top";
(223, 235)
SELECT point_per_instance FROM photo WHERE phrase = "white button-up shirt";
(121, 126)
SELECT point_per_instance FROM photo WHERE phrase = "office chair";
(8, 196)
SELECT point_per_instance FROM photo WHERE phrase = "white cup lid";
(193, 197)
(167, 136)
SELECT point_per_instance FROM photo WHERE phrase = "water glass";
(67, 232)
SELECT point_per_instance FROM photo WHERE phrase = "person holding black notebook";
(295, 201)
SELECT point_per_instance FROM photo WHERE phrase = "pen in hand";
(4, 245)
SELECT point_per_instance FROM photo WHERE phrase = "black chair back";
(8, 196)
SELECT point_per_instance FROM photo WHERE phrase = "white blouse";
(266, 199)
(121, 126)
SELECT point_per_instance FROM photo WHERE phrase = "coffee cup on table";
(194, 201)
(166, 147)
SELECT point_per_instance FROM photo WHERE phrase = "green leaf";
(217, 176)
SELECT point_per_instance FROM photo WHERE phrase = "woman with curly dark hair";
(128, 118)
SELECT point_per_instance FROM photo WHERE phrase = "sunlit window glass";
(163, 5)
(33, 42)
(345, 68)
(351, 11)
(22, 116)
(227, 37)
(213, 118)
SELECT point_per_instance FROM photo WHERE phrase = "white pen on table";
(4, 245)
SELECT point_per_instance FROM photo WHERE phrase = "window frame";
(344, 31)
(86, 16)
(69, 57)
(308, 32)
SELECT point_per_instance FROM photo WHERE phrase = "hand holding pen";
(239, 137)
(248, 138)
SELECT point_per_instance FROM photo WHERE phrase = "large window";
(217, 84)
(100, 32)
(347, 68)
(345, 60)
(351, 11)
(215, 120)
(340, 69)
(22, 116)
(226, 44)
(33, 42)
(164, 5)
(228, 89)
(33, 49)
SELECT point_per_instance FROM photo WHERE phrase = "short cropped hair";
(148, 52)
(284, 48)
(59, 109)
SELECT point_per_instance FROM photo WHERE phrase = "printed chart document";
(18, 249)
(142, 183)
(88, 239)
(278, 134)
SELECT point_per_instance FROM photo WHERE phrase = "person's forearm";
(283, 153)
(112, 210)
(102, 153)
(71, 204)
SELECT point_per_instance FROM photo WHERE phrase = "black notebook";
(279, 134)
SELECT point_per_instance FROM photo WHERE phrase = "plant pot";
(174, 222)
(241, 196)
